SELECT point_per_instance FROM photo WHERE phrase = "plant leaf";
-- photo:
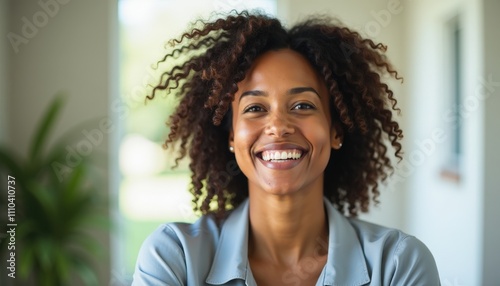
(46, 249)
(45, 126)
(86, 273)
(10, 162)
(44, 202)
(26, 261)
(62, 263)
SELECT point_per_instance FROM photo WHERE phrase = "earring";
(231, 149)
(340, 145)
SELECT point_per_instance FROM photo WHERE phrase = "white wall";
(3, 73)
(491, 197)
(448, 215)
(69, 50)
(383, 21)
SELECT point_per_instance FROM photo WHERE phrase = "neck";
(286, 229)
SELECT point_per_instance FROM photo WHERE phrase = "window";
(456, 111)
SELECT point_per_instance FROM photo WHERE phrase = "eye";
(303, 106)
(253, 108)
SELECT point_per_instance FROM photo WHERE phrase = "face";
(281, 130)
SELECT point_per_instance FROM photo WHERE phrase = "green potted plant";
(52, 214)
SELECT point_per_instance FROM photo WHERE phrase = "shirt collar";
(345, 265)
(231, 257)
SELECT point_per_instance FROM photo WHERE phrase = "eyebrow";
(295, 90)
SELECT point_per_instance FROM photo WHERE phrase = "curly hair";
(211, 60)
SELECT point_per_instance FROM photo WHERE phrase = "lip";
(286, 164)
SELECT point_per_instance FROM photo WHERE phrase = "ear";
(336, 136)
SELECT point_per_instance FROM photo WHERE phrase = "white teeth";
(284, 155)
(273, 155)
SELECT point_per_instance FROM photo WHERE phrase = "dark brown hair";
(216, 56)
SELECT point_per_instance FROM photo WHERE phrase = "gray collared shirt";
(359, 253)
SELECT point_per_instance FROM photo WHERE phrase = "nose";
(279, 125)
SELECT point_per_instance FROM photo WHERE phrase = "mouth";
(280, 155)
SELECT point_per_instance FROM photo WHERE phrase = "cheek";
(244, 136)
(318, 133)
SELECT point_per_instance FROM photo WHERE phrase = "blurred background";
(101, 54)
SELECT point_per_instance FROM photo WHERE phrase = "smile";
(281, 155)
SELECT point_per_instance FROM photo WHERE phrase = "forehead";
(281, 66)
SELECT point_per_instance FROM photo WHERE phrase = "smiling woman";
(304, 114)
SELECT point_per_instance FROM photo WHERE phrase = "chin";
(281, 190)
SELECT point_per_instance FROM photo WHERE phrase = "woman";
(304, 114)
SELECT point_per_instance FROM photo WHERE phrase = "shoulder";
(178, 235)
(165, 253)
(395, 256)
(393, 241)
(374, 234)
